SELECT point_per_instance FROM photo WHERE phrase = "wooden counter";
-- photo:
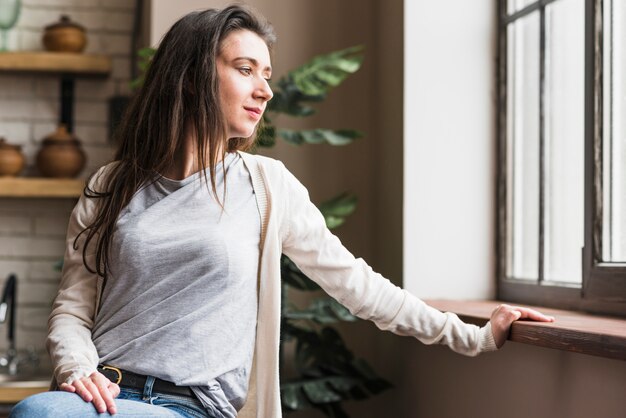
(14, 394)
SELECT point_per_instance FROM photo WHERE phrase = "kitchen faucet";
(7, 312)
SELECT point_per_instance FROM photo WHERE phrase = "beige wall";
(520, 381)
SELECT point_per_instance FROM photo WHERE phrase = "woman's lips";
(254, 112)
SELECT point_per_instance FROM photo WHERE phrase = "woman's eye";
(246, 70)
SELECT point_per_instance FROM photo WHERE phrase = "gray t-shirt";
(180, 302)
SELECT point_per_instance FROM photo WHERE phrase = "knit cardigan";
(292, 225)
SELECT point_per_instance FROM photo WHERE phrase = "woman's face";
(243, 70)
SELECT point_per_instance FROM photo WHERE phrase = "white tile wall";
(32, 231)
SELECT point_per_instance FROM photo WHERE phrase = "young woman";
(171, 280)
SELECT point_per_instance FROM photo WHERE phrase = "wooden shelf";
(40, 187)
(572, 331)
(55, 63)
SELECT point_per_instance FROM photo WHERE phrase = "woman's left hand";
(504, 315)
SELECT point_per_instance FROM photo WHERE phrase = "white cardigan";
(292, 225)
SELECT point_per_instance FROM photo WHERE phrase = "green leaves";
(322, 311)
(329, 373)
(324, 72)
(320, 136)
(337, 209)
(310, 83)
(266, 134)
(145, 58)
(289, 99)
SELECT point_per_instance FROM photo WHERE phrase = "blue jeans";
(130, 403)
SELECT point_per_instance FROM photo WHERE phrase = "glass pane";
(564, 141)
(614, 141)
(515, 5)
(523, 147)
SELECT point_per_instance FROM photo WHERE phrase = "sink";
(15, 388)
(25, 380)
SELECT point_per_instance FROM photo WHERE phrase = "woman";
(171, 280)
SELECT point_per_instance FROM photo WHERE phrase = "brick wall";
(32, 231)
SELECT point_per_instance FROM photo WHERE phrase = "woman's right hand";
(95, 388)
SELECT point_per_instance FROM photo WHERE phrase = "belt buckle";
(118, 371)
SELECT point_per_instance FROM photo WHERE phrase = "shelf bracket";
(67, 102)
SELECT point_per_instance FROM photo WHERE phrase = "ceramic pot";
(64, 36)
(11, 159)
(60, 155)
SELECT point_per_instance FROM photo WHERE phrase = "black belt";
(138, 381)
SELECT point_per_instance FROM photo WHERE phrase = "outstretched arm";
(368, 295)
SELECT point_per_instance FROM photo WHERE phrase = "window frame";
(603, 287)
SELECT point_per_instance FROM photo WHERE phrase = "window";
(562, 154)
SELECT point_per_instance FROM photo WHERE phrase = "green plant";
(327, 371)
(144, 57)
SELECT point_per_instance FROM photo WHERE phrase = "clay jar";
(60, 155)
(11, 159)
(64, 36)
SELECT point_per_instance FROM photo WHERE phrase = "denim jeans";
(130, 403)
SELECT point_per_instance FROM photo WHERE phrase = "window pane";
(614, 141)
(523, 147)
(515, 5)
(564, 141)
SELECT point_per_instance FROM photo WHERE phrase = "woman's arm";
(73, 354)
(368, 295)
(69, 341)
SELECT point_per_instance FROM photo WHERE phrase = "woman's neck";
(186, 160)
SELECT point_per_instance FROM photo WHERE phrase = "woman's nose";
(264, 91)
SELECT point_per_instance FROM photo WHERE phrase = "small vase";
(64, 36)
(61, 155)
(11, 159)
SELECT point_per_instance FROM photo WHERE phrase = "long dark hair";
(180, 92)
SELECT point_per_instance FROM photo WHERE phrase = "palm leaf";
(337, 209)
(322, 311)
(289, 99)
(320, 136)
(324, 72)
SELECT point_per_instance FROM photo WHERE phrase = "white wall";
(449, 131)
(449, 143)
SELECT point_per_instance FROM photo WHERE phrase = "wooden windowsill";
(572, 331)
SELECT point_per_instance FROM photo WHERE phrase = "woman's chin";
(237, 135)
